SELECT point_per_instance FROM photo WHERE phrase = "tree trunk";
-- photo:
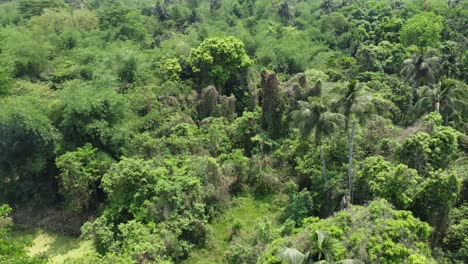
(350, 163)
(413, 91)
(324, 164)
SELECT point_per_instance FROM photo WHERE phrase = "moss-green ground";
(56, 248)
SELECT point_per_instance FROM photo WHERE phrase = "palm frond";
(292, 256)
(329, 122)
(349, 261)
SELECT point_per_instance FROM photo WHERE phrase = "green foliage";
(456, 240)
(27, 141)
(9, 13)
(433, 119)
(30, 8)
(170, 70)
(293, 256)
(447, 97)
(379, 178)
(244, 130)
(112, 16)
(425, 152)
(88, 115)
(149, 117)
(300, 206)
(313, 117)
(5, 221)
(440, 192)
(219, 61)
(29, 53)
(376, 233)
(81, 172)
(101, 234)
(161, 199)
(416, 152)
(5, 79)
(286, 49)
(416, 32)
(240, 253)
(12, 250)
(60, 20)
(445, 146)
(127, 72)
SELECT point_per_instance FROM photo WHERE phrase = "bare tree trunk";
(324, 164)
(414, 86)
(350, 163)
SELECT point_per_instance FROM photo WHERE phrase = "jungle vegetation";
(139, 125)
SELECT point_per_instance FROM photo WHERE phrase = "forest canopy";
(235, 131)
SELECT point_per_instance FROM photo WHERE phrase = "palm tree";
(321, 249)
(313, 117)
(328, 6)
(344, 261)
(356, 105)
(293, 256)
(448, 97)
(323, 246)
(420, 69)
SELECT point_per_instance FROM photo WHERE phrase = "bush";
(398, 184)
(27, 143)
(81, 172)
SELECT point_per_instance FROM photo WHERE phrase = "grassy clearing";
(57, 248)
(246, 211)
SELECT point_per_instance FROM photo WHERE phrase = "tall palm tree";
(356, 105)
(313, 117)
(448, 97)
(420, 69)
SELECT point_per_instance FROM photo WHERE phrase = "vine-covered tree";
(272, 105)
(219, 61)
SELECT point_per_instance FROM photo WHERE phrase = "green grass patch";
(54, 247)
(245, 210)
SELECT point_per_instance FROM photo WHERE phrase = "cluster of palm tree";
(447, 97)
(435, 91)
(353, 106)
